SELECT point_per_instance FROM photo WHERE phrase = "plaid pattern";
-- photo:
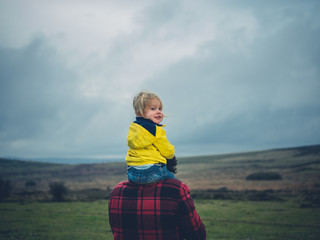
(158, 211)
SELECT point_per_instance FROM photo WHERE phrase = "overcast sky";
(233, 75)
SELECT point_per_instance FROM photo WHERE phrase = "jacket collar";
(141, 120)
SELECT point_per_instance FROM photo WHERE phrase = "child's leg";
(153, 174)
(166, 173)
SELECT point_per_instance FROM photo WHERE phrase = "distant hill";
(298, 167)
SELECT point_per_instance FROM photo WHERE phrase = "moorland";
(271, 194)
(298, 170)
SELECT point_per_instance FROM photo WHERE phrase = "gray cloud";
(262, 94)
(233, 77)
(43, 111)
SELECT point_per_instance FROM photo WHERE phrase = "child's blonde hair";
(142, 100)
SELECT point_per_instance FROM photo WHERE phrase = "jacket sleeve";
(162, 144)
(190, 224)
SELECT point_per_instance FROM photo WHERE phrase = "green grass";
(258, 220)
(223, 220)
(55, 221)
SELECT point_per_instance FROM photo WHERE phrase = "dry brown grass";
(299, 168)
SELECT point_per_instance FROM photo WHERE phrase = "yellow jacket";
(146, 148)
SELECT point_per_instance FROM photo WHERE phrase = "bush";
(5, 188)
(266, 195)
(30, 183)
(91, 194)
(264, 176)
(58, 191)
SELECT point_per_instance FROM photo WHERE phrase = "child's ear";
(138, 114)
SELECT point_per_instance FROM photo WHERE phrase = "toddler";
(149, 148)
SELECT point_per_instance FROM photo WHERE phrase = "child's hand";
(172, 165)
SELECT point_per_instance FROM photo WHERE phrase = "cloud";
(43, 108)
(233, 77)
(255, 90)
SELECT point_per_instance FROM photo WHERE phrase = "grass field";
(230, 205)
(223, 220)
(54, 221)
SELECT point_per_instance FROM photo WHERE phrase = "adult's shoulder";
(176, 183)
(172, 181)
(167, 183)
(121, 185)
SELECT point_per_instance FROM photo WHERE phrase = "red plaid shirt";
(158, 211)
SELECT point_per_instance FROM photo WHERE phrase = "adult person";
(157, 211)
(152, 204)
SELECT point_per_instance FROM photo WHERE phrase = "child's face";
(154, 111)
